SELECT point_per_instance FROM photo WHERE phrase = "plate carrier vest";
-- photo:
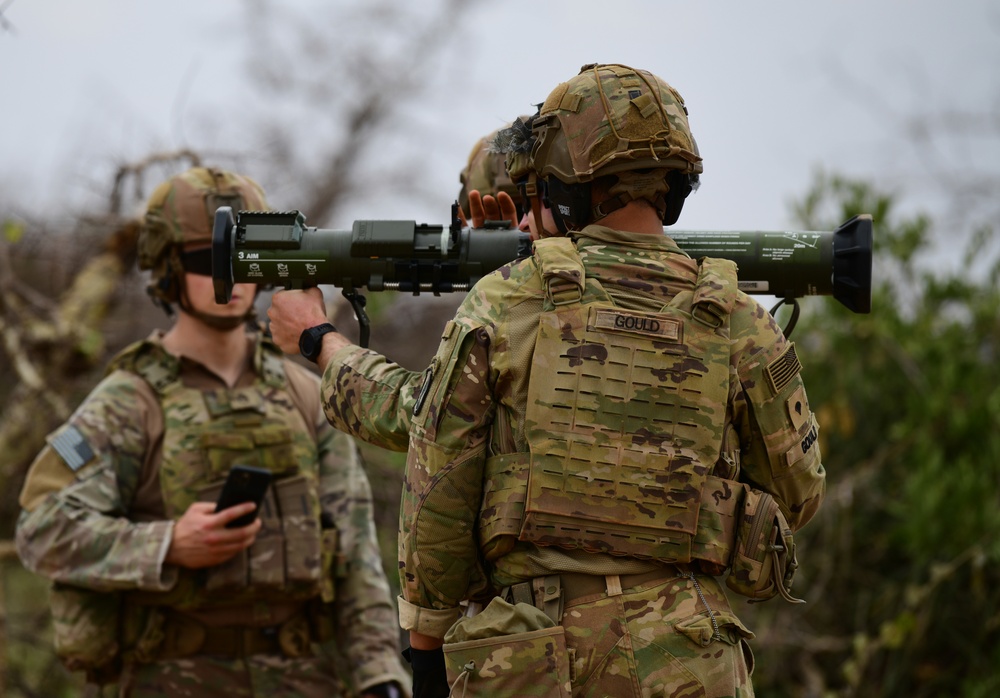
(208, 432)
(205, 433)
(625, 423)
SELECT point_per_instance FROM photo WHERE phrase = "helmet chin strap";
(536, 213)
(219, 322)
(534, 191)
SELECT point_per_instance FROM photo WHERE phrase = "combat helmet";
(486, 172)
(609, 121)
(179, 217)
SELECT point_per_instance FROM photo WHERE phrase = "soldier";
(152, 589)
(485, 176)
(609, 431)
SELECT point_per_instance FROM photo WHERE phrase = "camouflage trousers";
(256, 676)
(664, 637)
(675, 638)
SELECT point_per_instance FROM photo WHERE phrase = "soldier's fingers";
(476, 209)
(250, 532)
(508, 209)
(233, 540)
(233, 512)
(462, 219)
(291, 312)
(491, 207)
(202, 508)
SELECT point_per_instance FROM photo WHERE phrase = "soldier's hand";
(490, 208)
(201, 538)
(291, 312)
(430, 677)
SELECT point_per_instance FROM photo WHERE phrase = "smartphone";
(243, 484)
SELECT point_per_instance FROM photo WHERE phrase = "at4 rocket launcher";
(277, 248)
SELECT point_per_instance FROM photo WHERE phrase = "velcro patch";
(71, 445)
(798, 408)
(636, 323)
(783, 369)
(799, 451)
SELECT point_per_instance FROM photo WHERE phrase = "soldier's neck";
(635, 217)
(223, 352)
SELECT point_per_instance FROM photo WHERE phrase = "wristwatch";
(311, 340)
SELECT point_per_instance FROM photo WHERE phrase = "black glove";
(430, 680)
(389, 689)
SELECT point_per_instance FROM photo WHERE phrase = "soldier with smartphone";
(162, 588)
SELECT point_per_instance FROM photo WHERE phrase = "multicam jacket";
(95, 519)
(471, 405)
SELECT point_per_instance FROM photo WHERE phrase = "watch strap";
(311, 340)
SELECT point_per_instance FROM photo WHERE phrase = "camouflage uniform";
(97, 522)
(608, 427)
(669, 627)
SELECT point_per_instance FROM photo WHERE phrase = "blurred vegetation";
(902, 566)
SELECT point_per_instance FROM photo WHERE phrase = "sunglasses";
(198, 261)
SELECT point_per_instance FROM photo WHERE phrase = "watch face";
(311, 340)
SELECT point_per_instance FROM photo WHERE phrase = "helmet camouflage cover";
(608, 120)
(612, 118)
(180, 213)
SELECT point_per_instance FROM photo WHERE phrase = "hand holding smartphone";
(244, 484)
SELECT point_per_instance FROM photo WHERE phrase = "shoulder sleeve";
(75, 526)
(113, 421)
(439, 552)
(368, 396)
(778, 430)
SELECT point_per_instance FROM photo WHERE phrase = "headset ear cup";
(168, 289)
(569, 203)
(168, 279)
(680, 187)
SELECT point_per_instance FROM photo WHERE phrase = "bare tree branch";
(5, 24)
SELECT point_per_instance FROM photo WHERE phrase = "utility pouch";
(85, 631)
(763, 563)
(299, 507)
(267, 554)
(143, 634)
(483, 659)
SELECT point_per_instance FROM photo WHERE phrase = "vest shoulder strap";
(269, 362)
(561, 269)
(715, 291)
(563, 275)
(151, 362)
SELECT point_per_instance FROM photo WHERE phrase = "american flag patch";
(73, 447)
(783, 369)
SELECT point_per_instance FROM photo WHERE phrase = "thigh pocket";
(728, 638)
(702, 630)
(510, 666)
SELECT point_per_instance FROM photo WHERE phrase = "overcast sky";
(776, 90)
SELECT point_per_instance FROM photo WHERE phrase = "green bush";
(902, 566)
